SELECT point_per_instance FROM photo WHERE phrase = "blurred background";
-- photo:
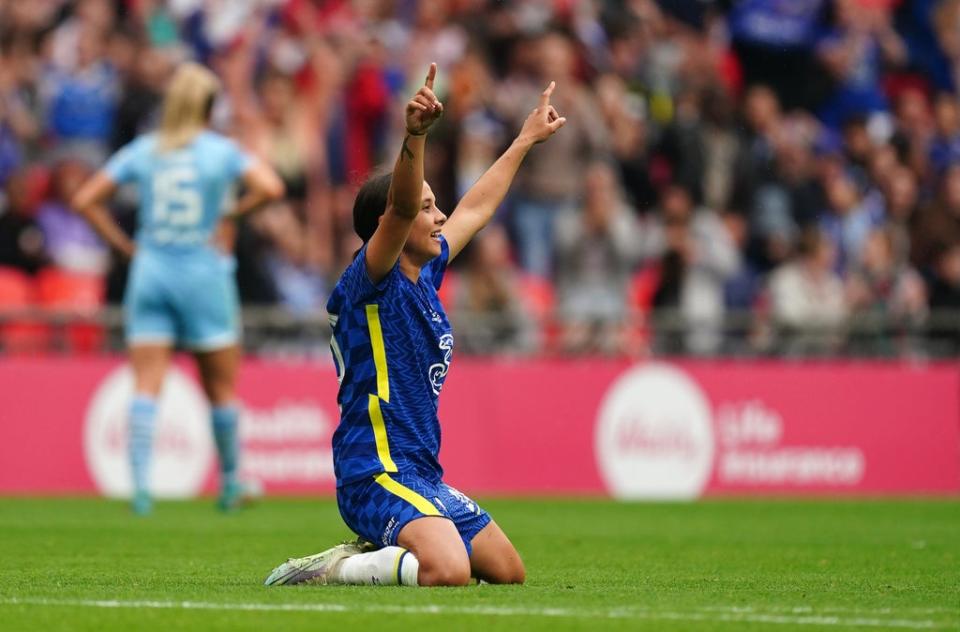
(737, 178)
(740, 184)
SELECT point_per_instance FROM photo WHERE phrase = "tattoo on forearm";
(405, 152)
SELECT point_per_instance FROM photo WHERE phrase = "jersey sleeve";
(355, 283)
(237, 161)
(121, 166)
(438, 266)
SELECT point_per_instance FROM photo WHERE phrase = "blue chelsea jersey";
(182, 191)
(392, 345)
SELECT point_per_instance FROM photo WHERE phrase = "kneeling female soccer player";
(392, 345)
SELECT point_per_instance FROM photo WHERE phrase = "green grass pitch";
(86, 564)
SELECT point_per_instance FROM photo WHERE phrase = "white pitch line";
(615, 613)
(904, 610)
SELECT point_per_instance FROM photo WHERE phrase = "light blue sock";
(226, 437)
(143, 412)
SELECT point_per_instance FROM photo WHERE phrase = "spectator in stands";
(489, 312)
(946, 17)
(551, 179)
(721, 144)
(470, 134)
(648, 84)
(683, 145)
(773, 41)
(901, 198)
(300, 285)
(807, 301)
(849, 218)
(945, 301)
(854, 51)
(788, 198)
(945, 148)
(69, 241)
(914, 130)
(627, 131)
(597, 249)
(887, 289)
(18, 126)
(938, 224)
(139, 103)
(697, 256)
(80, 101)
(756, 156)
(21, 240)
(281, 131)
(85, 18)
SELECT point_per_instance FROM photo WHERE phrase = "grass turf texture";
(720, 565)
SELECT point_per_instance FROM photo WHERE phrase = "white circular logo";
(182, 444)
(654, 436)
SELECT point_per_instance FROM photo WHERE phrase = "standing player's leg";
(150, 362)
(150, 329)
(209, 307)
(494, 558)
(218, 371)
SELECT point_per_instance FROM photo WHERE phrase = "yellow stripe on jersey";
(380, 433)
(423, 505)
(379, 351)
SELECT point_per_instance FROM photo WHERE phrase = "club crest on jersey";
(438, 371)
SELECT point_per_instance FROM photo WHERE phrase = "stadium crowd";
(796, 164)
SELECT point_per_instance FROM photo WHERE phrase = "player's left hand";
(544, 120)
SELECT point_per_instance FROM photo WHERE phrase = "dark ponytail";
(370, 204)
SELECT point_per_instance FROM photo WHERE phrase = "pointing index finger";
(545, 95)
(431, 75)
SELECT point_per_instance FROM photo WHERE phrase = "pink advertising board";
(649, 430)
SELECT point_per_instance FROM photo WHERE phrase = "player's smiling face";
(423, 244)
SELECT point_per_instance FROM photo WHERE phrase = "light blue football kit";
(392, 345)
(180, 289)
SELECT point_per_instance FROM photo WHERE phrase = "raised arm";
(89, 201)
(406, 187)
(477, 207)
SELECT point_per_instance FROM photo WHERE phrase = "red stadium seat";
(19, 333)
(70, 291)
(15, 289)
(448, 289)
(76, 295)
(539, 299)
(643, 287)
(538, 295)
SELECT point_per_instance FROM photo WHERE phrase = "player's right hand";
(424, 109)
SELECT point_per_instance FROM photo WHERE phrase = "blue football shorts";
(377, 508)
(188, 300)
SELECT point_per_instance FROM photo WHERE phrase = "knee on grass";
(444, 573)
(509, 572)
(515, 575)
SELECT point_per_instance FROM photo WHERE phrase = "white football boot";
(313, 569)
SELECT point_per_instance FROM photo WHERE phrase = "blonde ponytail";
(186, 106)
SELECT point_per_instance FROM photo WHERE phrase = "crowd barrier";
(653, 430)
